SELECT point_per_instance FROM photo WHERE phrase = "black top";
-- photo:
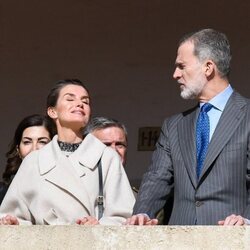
(3, 190)
(69, 147)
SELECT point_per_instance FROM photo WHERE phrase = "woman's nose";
(80, 103)
(35, 146)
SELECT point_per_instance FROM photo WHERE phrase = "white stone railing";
(124, 237)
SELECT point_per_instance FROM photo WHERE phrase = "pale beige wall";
(124, 238)
(124, 50)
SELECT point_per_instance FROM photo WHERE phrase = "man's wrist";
(247, 222)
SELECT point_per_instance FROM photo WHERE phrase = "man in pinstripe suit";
(221, 193)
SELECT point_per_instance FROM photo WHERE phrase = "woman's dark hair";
(13, 159)
(54, 92)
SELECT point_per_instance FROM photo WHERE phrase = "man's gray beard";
(188, 94)
(193, 91)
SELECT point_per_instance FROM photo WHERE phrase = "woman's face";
(72, 108)
(33, 138)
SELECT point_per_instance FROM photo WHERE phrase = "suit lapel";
(228, 123)
(187, 142)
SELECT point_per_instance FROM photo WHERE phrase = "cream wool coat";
(51, 188)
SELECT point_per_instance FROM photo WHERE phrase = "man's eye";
(120, 145)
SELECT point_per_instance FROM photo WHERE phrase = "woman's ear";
(51, 112)
(18, 152)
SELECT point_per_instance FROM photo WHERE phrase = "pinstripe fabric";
(224, 183)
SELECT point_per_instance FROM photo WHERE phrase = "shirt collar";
(219, 101)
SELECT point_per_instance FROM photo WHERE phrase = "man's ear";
(209, 68)
(51, 112)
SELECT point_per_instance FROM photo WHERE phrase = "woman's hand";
(88, 220)
(9, 220)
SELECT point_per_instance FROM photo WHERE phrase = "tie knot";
(206, 107)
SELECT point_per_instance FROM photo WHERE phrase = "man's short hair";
(213, 45)
(101, 122)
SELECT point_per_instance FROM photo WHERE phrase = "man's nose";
(113, 146)
(177, 73)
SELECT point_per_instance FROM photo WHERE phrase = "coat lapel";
(187, 142)
(65, 177)
(228, 123)
(66, 172)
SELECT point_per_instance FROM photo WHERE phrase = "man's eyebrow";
(178, 63)
(121, 143)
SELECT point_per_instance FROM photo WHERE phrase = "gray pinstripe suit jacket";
(224, 185)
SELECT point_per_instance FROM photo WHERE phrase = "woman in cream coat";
(59, 184)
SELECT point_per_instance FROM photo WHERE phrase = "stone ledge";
(124, 237)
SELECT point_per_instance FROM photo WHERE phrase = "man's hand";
(141, 219)
(233, 220)
(88, 220)
(9, 220)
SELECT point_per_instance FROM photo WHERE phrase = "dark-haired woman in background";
(60, 183)
(32, 133)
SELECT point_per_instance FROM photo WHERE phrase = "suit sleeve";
(157, 183)
(247, 210)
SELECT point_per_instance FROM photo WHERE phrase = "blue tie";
(202, 136)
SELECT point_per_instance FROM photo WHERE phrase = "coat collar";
(87, 154)
(66, 172)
